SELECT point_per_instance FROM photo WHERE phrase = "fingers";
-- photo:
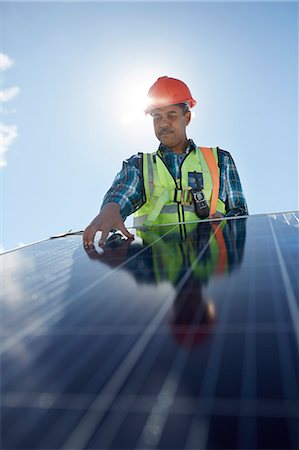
(123, 229)
(105, 232)
(108, 219)
(88, 235)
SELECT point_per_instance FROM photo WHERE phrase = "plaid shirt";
(127, 188)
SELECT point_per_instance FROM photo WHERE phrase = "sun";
(134, 103)
(132, 98)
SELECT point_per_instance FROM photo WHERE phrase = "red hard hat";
(168, 91)
(189, 332)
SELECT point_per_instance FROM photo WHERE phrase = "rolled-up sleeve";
(127, 187)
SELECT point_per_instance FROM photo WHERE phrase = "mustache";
(165, 130)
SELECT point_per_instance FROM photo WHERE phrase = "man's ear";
(188, 117)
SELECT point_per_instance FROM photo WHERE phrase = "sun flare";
(132, 97)
(133, 104)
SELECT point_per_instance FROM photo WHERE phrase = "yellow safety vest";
(169, 200)
(169, 257)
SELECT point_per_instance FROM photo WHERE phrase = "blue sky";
(74, 77)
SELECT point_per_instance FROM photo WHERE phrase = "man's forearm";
(127, 188)
(122, 200)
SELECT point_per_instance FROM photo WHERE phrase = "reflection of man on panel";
(208, 250)
(177, 183)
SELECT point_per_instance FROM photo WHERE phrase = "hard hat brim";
(191, 103)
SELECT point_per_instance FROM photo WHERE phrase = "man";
(179, 182)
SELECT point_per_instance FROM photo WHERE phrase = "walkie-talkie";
(200, 204)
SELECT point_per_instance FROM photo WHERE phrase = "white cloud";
(5, 62)
(8, 133)
(7, 111)
(8, 94)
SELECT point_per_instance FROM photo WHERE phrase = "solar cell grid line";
(45, 400)
(291, 219)
(276, 301)
(59, 277)
(85, 429)
(102, 330)
(288, 375)
(68, 420)
(31, 244)
(198, 432)
(31, 328)
(288, 240)
(39, 306)
(112, 424)
(291, 225)
(45, 259)
(268, 267)
(160, 411)
(19, 429)
(288, 218)
(47, 282)
(211, 374)
(42, 251)
(35, 285)
(126, 405)
(290, 386)
(69, 382)
(217, 399)
(223, 406)
(58, 355)
(59, 362)
(108, 309)
(121, 313)
(293, 305)
(248, 427)
(85, 310)
(295, 217)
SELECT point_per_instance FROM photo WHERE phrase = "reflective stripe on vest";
(161, 189)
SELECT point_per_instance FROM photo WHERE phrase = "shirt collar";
(191, 146)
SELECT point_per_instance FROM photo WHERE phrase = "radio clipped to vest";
(201, 207)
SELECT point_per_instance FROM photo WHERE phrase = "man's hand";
(108, 219)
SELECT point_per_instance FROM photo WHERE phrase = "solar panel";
(185, 338)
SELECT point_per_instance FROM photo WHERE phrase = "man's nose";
(164, 122)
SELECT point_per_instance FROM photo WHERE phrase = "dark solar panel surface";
(185, 338)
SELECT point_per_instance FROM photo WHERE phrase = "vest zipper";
(181, 167)
(176, 185)
(182, 208)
